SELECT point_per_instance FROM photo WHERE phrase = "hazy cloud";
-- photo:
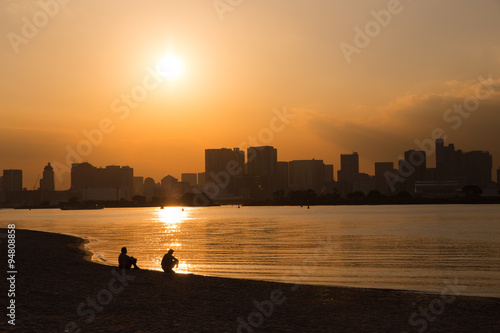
(385, 132)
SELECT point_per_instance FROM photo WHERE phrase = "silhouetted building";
(307, 174)
(478, 166)
(328, 173)
(12, 180)
(168, 185)
(364, 183)
(349, 167)
(282, 176)
(349, 171)
(430, 174)
(139, 186)
(263, 162)
(47, 182)
(413, 169)
(253, 188)
(498, 176)
(221, 167)
(447, 162)
(190, 178)
(180, 189)
(382, 179)
(418, 160)
(469, 168)
(109, 183)
(149, 188)
(202, 179)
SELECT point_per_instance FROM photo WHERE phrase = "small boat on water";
(82, 207)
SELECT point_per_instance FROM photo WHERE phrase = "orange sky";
(68, 72)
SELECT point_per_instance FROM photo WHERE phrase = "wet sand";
(58, 290)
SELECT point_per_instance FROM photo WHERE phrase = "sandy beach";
(57, 289)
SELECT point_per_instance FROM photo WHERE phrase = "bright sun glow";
(172, 217)
(170, 67)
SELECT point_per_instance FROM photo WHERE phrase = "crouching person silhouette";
(126, 262)
(169, 262)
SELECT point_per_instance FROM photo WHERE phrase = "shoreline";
(90, 254)
(58, 289)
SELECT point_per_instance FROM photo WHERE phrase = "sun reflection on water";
(183, 268)
(172, 219)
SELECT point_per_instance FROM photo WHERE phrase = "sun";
(170, 67)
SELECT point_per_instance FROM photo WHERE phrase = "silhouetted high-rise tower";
(47, 182)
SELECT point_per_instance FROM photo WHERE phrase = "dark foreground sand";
(54, 282)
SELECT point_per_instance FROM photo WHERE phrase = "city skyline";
(451, 164)
(62, 173)
(348, 89)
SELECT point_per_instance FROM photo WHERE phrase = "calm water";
(397, 247)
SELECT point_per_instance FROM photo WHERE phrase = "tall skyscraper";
(349, 167)
(12, 180)
(221, 168)
(349, 171)
(47, 182)
(448, 162)
(263, 162)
